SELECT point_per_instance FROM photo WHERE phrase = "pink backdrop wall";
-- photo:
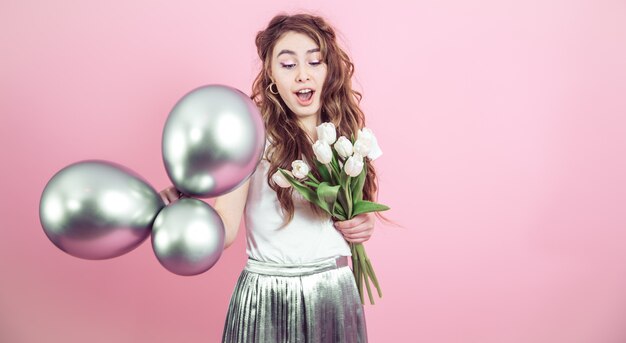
(504, 131)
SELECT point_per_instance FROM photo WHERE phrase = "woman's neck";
(310, 124)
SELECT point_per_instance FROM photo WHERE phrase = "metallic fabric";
(313, 303)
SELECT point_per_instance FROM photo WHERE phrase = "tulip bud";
(354, 165)
(362, 146)
(280, 179)
(326, 132)
(322, 151)
(343, 147)
(299, 169)
(374, 151)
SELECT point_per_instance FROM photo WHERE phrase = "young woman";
(296, 286)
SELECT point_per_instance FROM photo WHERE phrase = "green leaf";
(306, 192)
(338, 212)
(336, 170)
(343, 202)
(344, 179)
(335, 153)
(335, 164)
(365, 206)
(324, 172)
(327, 194)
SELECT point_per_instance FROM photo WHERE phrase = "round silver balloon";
(213, 140)
(188, 237)
(98, 209)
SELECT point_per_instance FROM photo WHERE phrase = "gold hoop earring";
(270, 88)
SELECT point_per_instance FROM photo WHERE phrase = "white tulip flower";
(280, 179)
(322, 151)
(374, 151)
(363, 145)
(300, 169)
(343, 147)
(326, 132)
(354, 165)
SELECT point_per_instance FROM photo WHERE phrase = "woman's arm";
(229, 206)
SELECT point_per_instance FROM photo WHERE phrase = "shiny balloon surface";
(188, 237)
(213, 140)
(98, 209)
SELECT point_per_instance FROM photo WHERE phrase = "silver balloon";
(188, 237)
(98, 209)
(212, 141)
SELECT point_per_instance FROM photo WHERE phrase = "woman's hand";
(358, 229)
(170, 195)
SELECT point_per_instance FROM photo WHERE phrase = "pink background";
(504, 131)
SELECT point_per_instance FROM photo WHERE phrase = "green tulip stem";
(357, 270)
(312, 177)
(343, 201)
(362, 279)
(370, 270)
(364, 275)
(334, 176)
(335, 167)
(312, 184)
(367, 284)
(363, 272)
(348, 201)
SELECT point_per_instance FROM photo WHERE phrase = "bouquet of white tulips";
(340, 190)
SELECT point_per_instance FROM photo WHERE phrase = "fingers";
(357, 238)
(170, 195)
(350, 223)
(357, 232)
(358, 229)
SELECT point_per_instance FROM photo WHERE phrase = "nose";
(302, 75)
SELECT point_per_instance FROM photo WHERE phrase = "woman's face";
(299, 73)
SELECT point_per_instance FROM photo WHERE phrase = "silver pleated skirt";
(313, 303)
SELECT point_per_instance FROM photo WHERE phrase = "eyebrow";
(285, 51)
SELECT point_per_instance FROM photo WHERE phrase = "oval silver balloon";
(98, 209)
(188, 237)
(213, 140)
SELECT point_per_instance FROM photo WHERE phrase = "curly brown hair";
(339, 102)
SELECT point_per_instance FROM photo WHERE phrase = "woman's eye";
(314, 63)
(288, 66)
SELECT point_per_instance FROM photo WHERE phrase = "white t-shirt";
(306, 238)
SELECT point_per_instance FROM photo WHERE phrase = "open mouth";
(305, 95)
